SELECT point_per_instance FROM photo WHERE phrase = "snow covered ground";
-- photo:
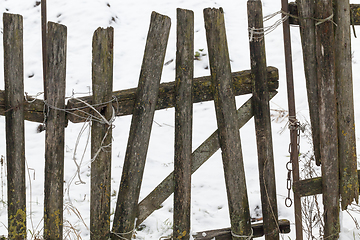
(130, 20)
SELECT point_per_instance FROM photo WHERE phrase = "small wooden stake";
(328, 118)
(183, 123)
(262, 119)
(55, 131)
(349, 188)
(229, 136)
(101, 133)
(15, 139)
(143, 114)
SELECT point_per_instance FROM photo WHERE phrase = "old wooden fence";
(222, 87)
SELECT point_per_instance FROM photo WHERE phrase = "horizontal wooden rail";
(124, 99)
(225, 233)
(355, 14)
(312, 186)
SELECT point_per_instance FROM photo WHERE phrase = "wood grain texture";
(14, 120)
(101, 133)
(261, 110)
(183, 123)
(142, 119)
(55, 131)
(325, 50)
(225, 108)
(349, 188)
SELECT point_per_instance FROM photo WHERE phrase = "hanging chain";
(293, 125)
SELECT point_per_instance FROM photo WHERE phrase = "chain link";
(295, 125)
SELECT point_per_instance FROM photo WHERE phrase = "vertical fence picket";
(183, 123)
(229, 136)
(55, 131)
(139, 136)
(261, 110)
(101, 133)
(307, 32)
(14, 112)
(349, 186)
(328, 118)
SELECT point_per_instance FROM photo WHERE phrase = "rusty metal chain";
(294, 125)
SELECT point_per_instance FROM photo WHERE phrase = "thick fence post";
(143, 114)
(14, 112)
(328, 117)
(349, 187)
(261, 110)
(229, 136)
(101, 133)
(183, 123)
(55, 131)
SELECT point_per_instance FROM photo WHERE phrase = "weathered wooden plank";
(154, 200)
(101, 133)
(144, 109)
(308, 41)
(328, 118)
(229, 136)
(225, 233)
(349, 188)
(14, 120)
(183, 123)
(261, 110)
(55, 131)
(313, 186)
(242, 82)
(166, 99)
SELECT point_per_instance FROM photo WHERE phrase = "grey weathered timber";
(32, 111)
(312, 186)
(229, 136)
(261, 110)
(183, 123)
(307, 31)
(242, 82)
(14, 120)
(124, 105)
(328, 118)
(143, 113)
(349, 188)
(55, 131)
(225, 233)
(101, 133)
(154, 200)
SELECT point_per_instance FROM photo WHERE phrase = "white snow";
(130, 20)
